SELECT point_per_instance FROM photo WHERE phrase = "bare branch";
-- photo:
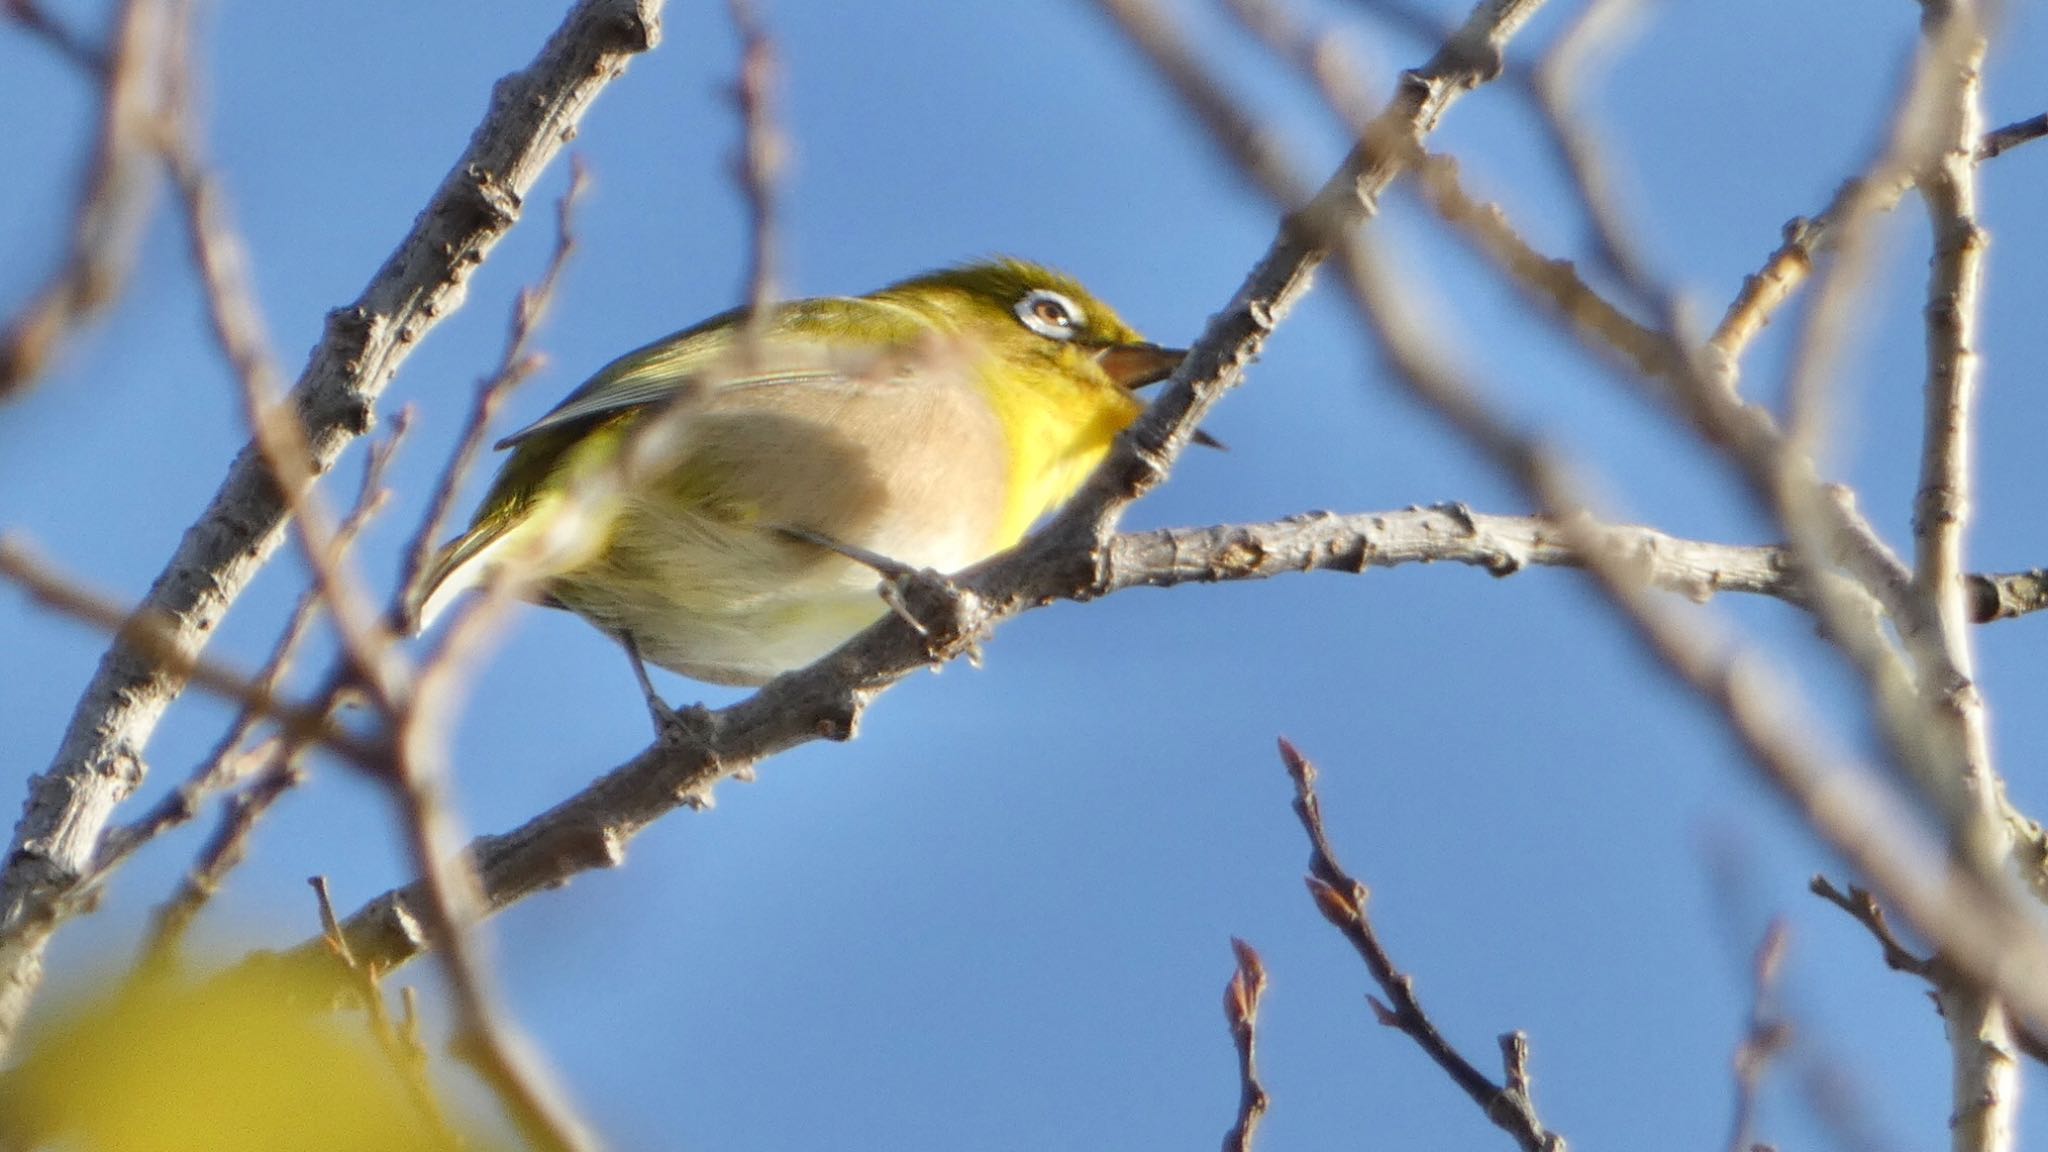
(271, 767)
(1819, 519)
(97, 766)
(1241, 1008)
(764, 152)
(1806, 239)
(1859, 903)
(227, 764)
(1554, 89)
(451, 898)
(1986, 1081)
(113, 200)
(1342, 901)
(274, 771)
(1975, 920)
(30, 17)
(826, 700)
(401, 1046)
(2007, 595)
(1864, 908)
(150, 635)
(221, 260)
(1602, 325)
(1980, 924)
(1452, 533)
(1943, 507)
(589, 830)
(515, 365)
(1767, 1035)
(1999, 141)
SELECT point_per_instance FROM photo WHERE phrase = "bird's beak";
(1136, 365)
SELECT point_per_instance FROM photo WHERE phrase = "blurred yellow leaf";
(251, 1061)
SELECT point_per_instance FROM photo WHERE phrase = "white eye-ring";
(1050, 314)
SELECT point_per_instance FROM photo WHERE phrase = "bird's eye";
(1049, 314)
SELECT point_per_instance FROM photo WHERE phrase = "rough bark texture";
(533, 113)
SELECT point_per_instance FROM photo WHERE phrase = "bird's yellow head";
(1058, 368)
(1031, 314)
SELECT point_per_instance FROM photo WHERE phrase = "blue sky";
(1000, 918)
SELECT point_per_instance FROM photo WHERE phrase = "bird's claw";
(945, 615)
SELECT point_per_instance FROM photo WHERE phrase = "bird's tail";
(461, 564)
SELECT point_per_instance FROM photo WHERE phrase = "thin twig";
(1447, 533)
(414, 775)
(1336, 76)
(113, 203)
(1342, 901)
(1860, 904)
(826, 700)
(1241, 1009)
(1822, 525)
(453, 902)
(1999, 141)
(275, 772)
(1978, 922)
(1807, 238)
(30, 17)
(1986, 1077)
(1852, 227)
(764, 152)
(1943, 506)
(2007, 595)
(271, 767)
(1579, 152)
(535, 111)
(150, 635)
(451, 895)
(1766, 1036)
(516, 364)
(1603, 325)
(228, 764)
(401, 1046)
(589, 829)
(221, 260)
(1863, 907)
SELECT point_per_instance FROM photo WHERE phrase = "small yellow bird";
(926, 425)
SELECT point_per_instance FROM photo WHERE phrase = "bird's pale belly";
(740, 604)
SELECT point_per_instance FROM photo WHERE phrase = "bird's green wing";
(805, 344)
(662, 370)
(642, 389)
(646, 375)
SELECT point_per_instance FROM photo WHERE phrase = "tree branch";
(1342, 901)
(1970, 915)
(1767, 1035)
(98, 764)
(1241, 1009)
(590, 829)
(1986, 1084)
(1066, 559)
(113, 198)
(31, 18)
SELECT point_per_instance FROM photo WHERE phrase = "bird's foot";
(949, 617)
(692, 729)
